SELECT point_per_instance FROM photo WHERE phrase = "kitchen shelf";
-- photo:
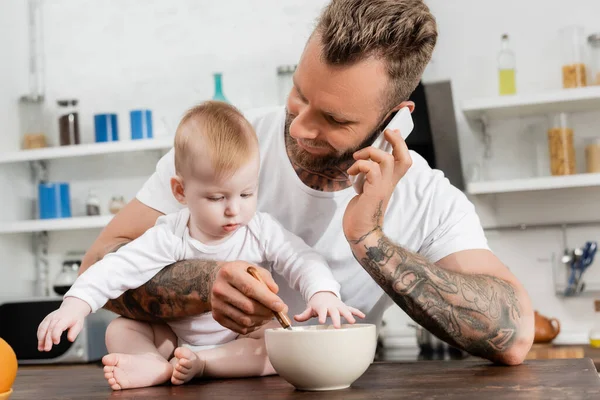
(82, 150)
(521, 105)
(534, 184)
(59, 224)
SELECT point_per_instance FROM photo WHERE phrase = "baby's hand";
(324, 303)
(71, 314)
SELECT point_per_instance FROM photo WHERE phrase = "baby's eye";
(215, 198)
(244, 195)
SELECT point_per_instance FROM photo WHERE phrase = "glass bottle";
(285, 82)
(506, 68)
(219, 96)
(594, 335)
(574, 71)
(68, 122)
(560, 146)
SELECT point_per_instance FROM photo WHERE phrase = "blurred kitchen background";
(91, 91)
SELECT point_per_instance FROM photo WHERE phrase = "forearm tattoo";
(478, 313)
(179, 290)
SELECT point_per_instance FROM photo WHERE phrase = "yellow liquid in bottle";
(507, 81)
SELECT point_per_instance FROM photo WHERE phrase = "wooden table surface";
(535, 379)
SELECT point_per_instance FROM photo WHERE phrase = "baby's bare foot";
(128, 371)
(186, 365)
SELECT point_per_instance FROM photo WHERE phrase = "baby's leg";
(138, 354)
(244, 357)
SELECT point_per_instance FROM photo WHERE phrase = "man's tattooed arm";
(182, 289)
(481, 314)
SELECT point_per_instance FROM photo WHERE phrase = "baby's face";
(219, 207)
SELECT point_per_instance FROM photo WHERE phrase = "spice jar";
(560, 146)
(68, 122)
(594, 41)
(574, 70)
(592, 156)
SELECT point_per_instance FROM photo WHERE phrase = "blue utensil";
(586, 260)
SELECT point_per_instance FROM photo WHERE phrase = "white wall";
(115, 56)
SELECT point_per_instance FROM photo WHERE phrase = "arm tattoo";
(478, 313)
(179, 290)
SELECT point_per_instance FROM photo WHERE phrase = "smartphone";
(401, 121)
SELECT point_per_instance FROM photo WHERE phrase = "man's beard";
(314, 163)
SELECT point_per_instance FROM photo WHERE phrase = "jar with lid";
(68, 274)
(31, 113)
(560, 146)
(594, 41)
(68, 122)
(285, 82)
(594, 334)
(574, 69)
(592, 156)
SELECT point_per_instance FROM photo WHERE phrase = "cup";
(54, 200)
(106, 128)
(141, 124)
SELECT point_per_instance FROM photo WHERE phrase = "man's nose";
(305, 125)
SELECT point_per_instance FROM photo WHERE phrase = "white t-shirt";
(426, 214)
(262, 242)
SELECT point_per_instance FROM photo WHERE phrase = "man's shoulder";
(263, 118)
(425, 184)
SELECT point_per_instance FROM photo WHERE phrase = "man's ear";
(178, 189)
(409, 104)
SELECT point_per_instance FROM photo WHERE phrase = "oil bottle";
(506, 68)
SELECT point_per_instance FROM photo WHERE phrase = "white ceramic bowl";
(321, 357)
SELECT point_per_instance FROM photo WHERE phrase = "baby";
(217, 167)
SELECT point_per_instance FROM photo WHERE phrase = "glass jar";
(31, 113)
(594, 41)
(92, 204)
(68, 122)
(285, 82)
(560, 146)
(574, 70)
(68, 274)
(592, 156)
(594, 334)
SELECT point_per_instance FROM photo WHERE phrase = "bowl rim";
(344, 328)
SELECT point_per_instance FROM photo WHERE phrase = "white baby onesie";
(262, 242)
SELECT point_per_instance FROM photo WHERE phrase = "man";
(410, 238)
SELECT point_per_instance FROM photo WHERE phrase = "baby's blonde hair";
(216, 130)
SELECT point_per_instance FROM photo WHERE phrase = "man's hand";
(242, 303)
(382, 172)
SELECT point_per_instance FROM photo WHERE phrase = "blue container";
(141, 124)
(54, 200)
(106, 128)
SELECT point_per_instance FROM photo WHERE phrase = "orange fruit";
(8, 366)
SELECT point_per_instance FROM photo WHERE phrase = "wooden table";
(535, 379)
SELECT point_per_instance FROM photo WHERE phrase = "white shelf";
(82, 150)
(60, 224)
(534, 184)
(520, 105)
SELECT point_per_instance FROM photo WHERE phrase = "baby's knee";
(119, 325)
